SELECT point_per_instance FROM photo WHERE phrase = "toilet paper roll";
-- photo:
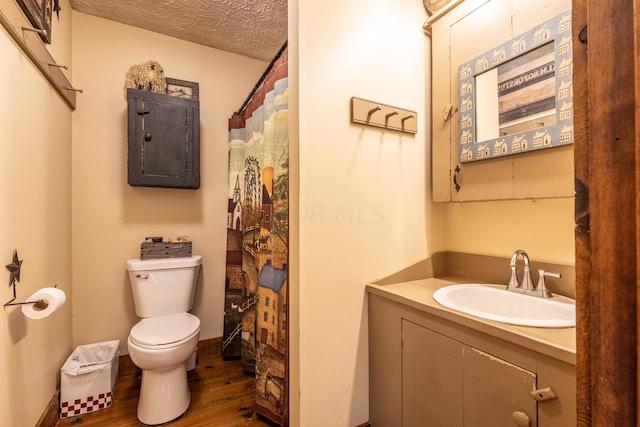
(53, 299)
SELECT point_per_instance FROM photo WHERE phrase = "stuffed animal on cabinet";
(148, 76)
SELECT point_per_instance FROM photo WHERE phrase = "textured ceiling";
(253, 28)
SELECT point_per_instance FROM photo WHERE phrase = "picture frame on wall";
(432, 6)
(182, 89)
(39, 13)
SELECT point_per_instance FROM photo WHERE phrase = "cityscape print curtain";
(256, 290)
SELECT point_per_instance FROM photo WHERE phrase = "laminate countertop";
(559, 343)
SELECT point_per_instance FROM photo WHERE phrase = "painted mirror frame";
(518, 97)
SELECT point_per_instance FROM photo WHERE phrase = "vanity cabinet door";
(432, 383)
(494, 390)
(450, 384)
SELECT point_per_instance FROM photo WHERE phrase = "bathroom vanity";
(433, 366)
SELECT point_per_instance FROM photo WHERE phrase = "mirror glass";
(517, 96)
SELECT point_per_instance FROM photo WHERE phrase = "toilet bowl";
(166, 337)
(161, 346)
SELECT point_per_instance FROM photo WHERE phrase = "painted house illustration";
(564, 90)
(466, 137)
(234, 276)
(465, 105)
(519, 143)
(267, 209)
(465, 88)
(498, 55)
(466, 155)
(565, 67)
(465, 121)
(540, 35)
(541, 138)
(483, 151)
(566, 134)
(236, 286)
(500, 148)
(564, 24)
(464, 72)
(564, 45)
(271, 318)
(518, 45)
(566, 110)
(482, 64)
(234, 209)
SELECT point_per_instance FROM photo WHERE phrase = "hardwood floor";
(221, 396)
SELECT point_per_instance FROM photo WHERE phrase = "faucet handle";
(542, 287)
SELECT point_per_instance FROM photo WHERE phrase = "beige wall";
(35, 219)
(542, 227)
(364, 198)
(111, 218)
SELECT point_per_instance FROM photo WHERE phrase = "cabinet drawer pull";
(543, 394)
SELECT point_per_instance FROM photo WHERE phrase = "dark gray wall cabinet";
(164, 140)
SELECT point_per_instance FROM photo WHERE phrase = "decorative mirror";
(518, 97)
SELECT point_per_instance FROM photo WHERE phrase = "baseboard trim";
(49, 418)
(211, 347)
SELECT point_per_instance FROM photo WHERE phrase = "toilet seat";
(165, 331)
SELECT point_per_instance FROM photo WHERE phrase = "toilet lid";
(163, 330)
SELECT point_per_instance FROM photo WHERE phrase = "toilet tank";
(163, 286)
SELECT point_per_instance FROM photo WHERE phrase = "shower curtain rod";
(264, 75)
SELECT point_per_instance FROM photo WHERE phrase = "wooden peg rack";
(17, 25)
(383, 116)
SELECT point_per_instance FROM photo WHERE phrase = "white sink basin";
(494, 302)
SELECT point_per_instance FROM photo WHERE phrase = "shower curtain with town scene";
(255, 315)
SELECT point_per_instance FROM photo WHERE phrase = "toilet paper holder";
(14, 270)
(38, 304)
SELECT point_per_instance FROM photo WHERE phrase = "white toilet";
(166, 337)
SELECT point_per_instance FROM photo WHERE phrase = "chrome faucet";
(527, 281)
(527, 285)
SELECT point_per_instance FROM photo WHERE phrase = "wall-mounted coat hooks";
(28, 39)
(384, 116)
